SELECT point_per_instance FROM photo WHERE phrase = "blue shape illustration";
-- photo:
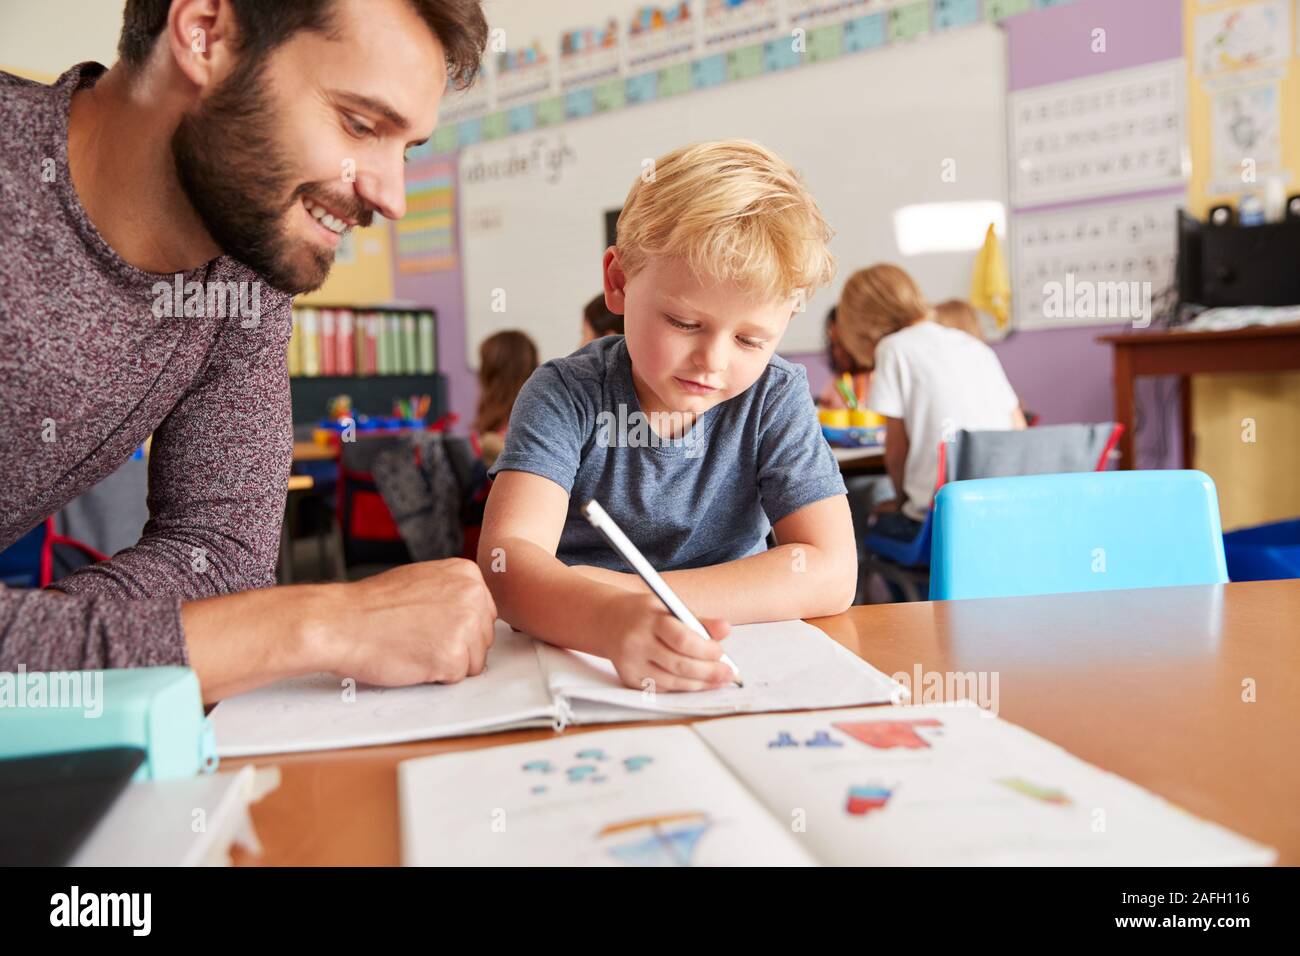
(580, 772)
(783, 739)
(539, 766)
(667, 840)
(633, 764)
(822, 738)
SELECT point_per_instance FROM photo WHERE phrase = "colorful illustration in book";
(588, 768)
(580, 772)
(1037, 792)
(822, 738)
(888, 734)
(664, 840)
(865, 798)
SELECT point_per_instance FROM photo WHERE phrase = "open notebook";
(788, 665)
(933, 785)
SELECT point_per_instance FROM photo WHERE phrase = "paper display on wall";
(1120, 132)
(1094, 264)
(1243, 37)
(1245, 135)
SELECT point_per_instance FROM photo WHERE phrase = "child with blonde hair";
(928, 381)
(959, 314)
(689, 429)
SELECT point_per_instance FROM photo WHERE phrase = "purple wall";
(1055, 44)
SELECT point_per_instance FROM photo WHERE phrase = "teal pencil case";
(156, 709)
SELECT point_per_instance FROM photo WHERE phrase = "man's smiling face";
(287, 154)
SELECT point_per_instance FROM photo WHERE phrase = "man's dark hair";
(459, 26)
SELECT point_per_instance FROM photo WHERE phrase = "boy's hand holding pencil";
(647, 642)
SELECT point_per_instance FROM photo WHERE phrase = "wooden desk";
(1147, 684)
(861, 461)
(310, 451)
(1254, 349)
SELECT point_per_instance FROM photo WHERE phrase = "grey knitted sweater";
(95, 355)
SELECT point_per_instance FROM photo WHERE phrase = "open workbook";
(888, 786)
(787, 665)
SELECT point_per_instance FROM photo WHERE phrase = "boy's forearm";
(540, 595)
(789, 581)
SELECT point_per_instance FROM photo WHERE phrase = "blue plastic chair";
(1088, 531)
(1050, 449)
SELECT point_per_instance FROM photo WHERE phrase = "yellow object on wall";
(990, 287)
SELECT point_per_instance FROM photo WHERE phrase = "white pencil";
(602, 522)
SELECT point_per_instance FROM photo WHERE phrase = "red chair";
(29, 561)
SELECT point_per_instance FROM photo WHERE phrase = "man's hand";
(423, 623)
(420, 623)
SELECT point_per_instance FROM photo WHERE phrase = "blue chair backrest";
(1092, 531)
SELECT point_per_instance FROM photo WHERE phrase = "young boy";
(688, 429)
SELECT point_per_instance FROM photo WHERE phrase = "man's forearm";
(240, 641)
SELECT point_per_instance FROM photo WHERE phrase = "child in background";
(598, 321)
(505, 360)
(695, 436)
(928, 381)
(841, 363)
(959, 314)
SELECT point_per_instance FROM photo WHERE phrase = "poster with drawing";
(1243, 38)
(1245, 136)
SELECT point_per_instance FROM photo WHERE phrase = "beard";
(239, 179)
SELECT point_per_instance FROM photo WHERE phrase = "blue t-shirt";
(702, 499)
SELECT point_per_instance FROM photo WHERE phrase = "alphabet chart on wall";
(1120, 132)
(1121, 242)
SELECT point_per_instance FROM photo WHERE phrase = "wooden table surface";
(1147, 684)
(311, 451)
(867, 460)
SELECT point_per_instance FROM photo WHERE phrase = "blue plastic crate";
(1268, 552)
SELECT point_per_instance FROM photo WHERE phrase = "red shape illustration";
(888, 734)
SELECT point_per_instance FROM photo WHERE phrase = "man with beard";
(228, 149)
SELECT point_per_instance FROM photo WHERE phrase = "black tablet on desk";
(49, 804)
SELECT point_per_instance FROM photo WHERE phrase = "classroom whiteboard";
(870, 133)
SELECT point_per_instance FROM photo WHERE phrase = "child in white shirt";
(929, 382)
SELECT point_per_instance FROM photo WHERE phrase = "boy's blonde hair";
(959, 314)
(876, 302)
(734, 211)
